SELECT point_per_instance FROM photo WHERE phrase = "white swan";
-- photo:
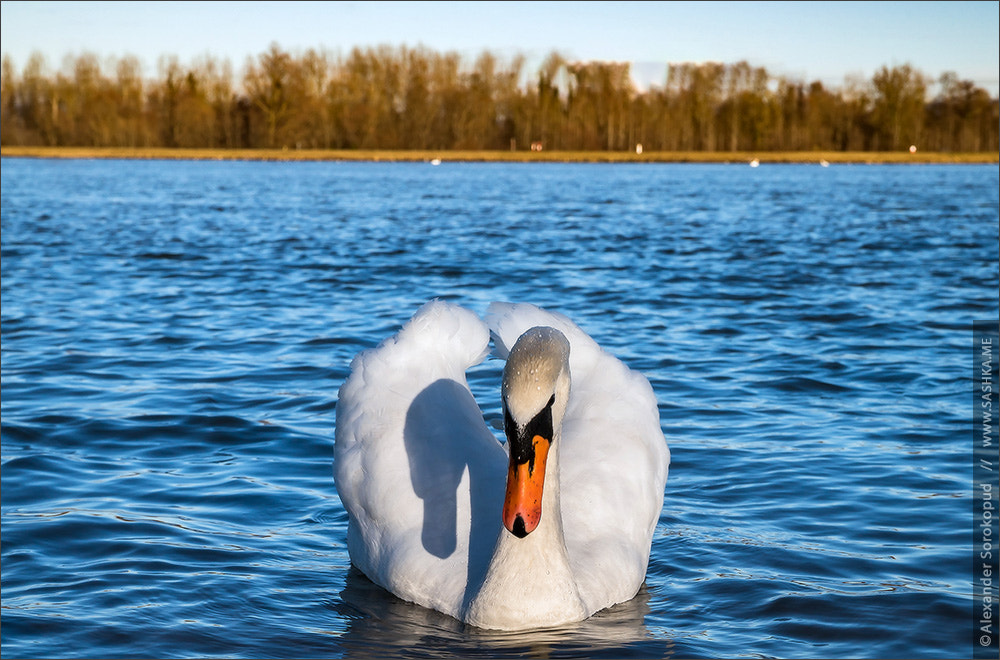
(423, 478)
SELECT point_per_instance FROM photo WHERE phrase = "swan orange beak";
(522, 506)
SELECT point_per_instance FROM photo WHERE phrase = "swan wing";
(614, 461)
(415, 465)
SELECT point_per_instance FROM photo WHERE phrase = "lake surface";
(174, 334)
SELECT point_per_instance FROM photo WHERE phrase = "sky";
(807, 41)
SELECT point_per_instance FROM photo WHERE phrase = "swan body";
(545, 530)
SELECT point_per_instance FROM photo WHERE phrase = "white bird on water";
(430, 518)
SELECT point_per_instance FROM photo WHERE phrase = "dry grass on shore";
(157, 153)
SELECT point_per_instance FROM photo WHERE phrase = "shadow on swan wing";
(414, 461)
(439, 435)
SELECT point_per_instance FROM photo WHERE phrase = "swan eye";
(541, 424)
(521, 440)
(509, 427)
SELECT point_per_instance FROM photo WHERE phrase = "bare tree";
(898, 106)
(403, 98)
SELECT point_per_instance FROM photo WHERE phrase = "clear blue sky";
(824, 41)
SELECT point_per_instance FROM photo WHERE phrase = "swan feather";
(422, 476)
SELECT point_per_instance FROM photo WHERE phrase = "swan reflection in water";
(380, 624)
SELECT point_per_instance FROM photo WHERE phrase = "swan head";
(535, 391)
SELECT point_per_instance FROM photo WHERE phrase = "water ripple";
(174, 334)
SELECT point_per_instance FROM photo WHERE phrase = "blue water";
(174, 334)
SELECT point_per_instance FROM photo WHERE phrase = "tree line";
(415, 98)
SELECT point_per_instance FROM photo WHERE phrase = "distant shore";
(819, 157)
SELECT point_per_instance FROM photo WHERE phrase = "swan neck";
(529, 582)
